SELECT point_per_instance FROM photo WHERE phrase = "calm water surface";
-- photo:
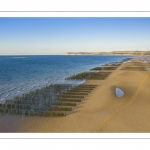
(20, 74)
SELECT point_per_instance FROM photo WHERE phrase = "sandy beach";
(102, 110)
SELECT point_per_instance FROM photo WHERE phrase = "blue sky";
(60, 35)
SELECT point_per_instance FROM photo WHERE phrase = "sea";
(20, 74)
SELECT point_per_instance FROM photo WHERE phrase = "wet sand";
(101, 111)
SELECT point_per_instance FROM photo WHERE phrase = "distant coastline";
(113, 53)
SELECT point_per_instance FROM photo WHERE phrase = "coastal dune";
(102, 110)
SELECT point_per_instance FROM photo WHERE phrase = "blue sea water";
(20, 74)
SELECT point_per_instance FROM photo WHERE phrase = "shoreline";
(101, 111)
(19, 84)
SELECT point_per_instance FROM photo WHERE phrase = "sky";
(55, 36)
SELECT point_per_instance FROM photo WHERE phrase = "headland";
(112, 53)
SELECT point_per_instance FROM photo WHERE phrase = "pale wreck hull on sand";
(119, 92)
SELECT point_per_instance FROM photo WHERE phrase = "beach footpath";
(101, 111)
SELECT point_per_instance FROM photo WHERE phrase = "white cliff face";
(119, 92)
